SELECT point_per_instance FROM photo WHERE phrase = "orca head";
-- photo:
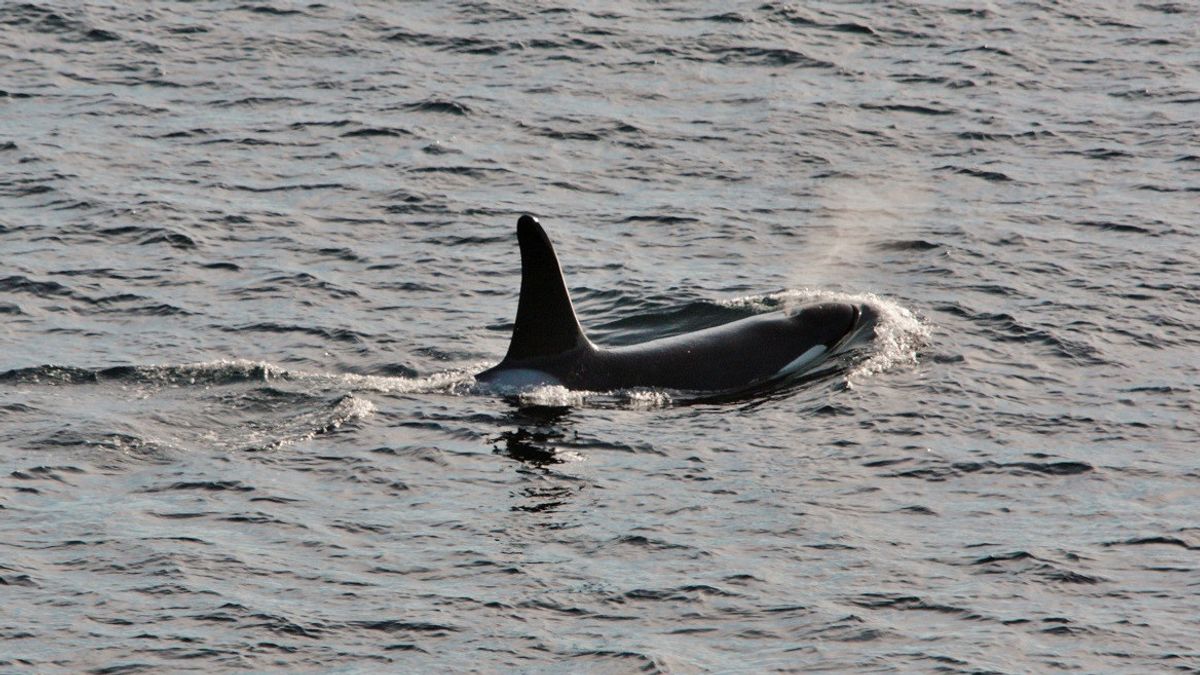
(827, 325)
(829, 322)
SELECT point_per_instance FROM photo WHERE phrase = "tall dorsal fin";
(546, 322)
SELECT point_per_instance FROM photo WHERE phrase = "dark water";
(252, 254)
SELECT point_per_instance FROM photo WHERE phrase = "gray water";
(253, 254)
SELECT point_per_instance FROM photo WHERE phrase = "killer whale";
(549, 346)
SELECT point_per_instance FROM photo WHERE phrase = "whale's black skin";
(549, 346)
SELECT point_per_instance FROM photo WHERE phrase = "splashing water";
(632, 399)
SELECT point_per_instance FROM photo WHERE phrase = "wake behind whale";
(549, 346)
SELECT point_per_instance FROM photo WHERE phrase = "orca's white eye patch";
(798, 363)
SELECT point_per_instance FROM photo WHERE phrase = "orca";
(549, 346)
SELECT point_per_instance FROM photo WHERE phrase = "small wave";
(994, 176)
(248, 413)
(238, 371)
(662, 219)
(327, 334)
(907, 245)
(144, 236)
(311, 424)
(281, 188)
(940, 471)
(768, 56)
(440, 106)
(267, 9)
(210, 373)
(123, 445)
(394, 132)
(469, 171)
(907, 108)
(655, 318)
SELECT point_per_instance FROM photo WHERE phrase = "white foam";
(554, 396)
(647, 399)
(899, 337)
(559, 396)
(447, 382)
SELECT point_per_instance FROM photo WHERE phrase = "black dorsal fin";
(546, 322)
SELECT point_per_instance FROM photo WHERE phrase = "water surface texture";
(252, 254)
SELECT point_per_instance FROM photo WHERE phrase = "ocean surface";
(254, 252)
